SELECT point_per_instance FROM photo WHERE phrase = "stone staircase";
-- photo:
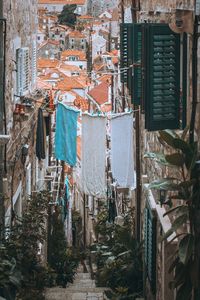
(83, 288)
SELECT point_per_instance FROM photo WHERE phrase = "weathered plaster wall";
(21, 19)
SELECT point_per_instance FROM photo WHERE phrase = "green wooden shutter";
(126, 40)
(162, 77)
(184, 83)
(136, 92)
(150, 247)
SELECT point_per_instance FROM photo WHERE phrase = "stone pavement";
(83, 288)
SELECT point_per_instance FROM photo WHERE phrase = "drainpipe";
(123, 92)
(194, 79)
(137, 149)
(2, 108)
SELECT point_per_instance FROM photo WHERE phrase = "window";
(162, 77)
(38, 38)
(158, 89)
(22, 71)
(72, 47)
(61, 35)
(33, 64)
(73, 58)
(82, 47)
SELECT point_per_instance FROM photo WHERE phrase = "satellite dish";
(182, 21)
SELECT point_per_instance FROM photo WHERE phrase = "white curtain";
(122, 150)
(93, 155)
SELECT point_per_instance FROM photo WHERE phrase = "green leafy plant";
(24, 270)
(118, 257)
(67, 15)
(184, 186)
(62, 260)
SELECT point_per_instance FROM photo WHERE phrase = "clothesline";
(25, 125)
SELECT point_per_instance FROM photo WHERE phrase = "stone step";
(75, 295)
(83, 275)
(83, 288)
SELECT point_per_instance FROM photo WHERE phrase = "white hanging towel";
(122, 151)
(93, 155)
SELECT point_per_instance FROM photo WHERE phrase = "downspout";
(137, 149)
(2, 109)
(194, 79)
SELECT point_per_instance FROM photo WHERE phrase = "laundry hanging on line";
(122, 150)
(40, 136)
(66, 134)
(93, 155)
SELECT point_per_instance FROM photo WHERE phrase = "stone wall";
(151, 143)
(21, 19)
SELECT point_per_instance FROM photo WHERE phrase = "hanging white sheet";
(122, 150)
(93, 155)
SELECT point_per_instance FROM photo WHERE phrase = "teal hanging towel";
(66, 134)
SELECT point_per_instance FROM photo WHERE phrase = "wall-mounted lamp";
(163, 194)
(25, 148)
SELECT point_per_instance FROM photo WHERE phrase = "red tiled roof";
(68, 84)
(47, 63)
(76, 34)
(67, 53)
(105, 78)
(100, 93)
(81, 103)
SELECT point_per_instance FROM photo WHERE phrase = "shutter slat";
(162, 72)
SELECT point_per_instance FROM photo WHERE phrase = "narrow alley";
(99, 150)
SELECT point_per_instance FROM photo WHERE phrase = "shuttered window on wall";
(150, 246)
(34, 64)
(162, 77)
(159, 73)
(126, 49)
(136, 91)
(22, 71)
(131, 48)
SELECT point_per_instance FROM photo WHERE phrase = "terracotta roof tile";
(81, 103)
(105, 78)
(43, 85)
(85, 17)
(52, 42)
(76, 34)
(68, 84)
(47, 63)
(100, 93)
(67, 53)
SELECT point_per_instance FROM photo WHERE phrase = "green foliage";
(118, 257)
(20, 256)
(62, 260)
(186, 188)
(67, 16)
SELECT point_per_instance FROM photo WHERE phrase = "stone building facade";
(22, 101)
(169, 12)
(95, 8)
